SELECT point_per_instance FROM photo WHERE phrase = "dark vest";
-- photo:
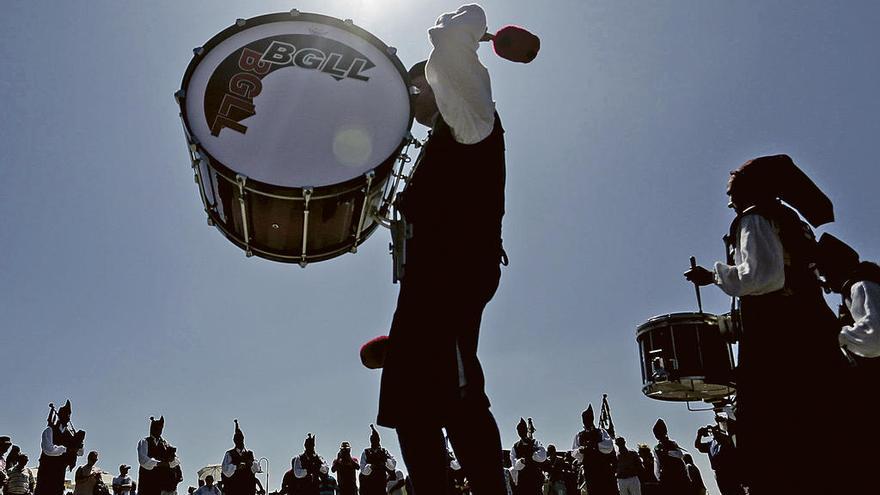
(64, 438)
(242, 480)
(160, 477)
(455, 203)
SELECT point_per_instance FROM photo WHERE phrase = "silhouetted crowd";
(598, 463)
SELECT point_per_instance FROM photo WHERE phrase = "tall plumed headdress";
(238, 436)
(834, 255)
(771, 177)
(375, 439)
(157, 425)
(522, 428)
(660, 429)
(587, 416)
(66, 409)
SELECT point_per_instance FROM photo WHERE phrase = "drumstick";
(697, 286)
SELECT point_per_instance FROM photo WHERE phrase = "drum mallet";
(514, 43)
(697, 286)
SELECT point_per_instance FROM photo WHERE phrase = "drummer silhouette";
(432, 378)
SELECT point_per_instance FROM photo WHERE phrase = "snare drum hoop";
(676, 318)
(288, 192)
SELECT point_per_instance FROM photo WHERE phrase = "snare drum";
(294, 122)
(686, 357)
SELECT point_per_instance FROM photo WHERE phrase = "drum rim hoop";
(681, 317)
(286, 17)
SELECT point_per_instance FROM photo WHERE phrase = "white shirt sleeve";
(228, 467)
(759, 258)
(48, 444)
(298, 470)
(366, 469)
(391, 463)
(515, 461)
(576, 448)
(145, 460)
(863, 337)
(460, 82)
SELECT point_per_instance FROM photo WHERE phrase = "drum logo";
(229, 96)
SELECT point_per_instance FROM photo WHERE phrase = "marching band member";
(526, 456)
(377, 466)
(782, 311)
(159, 472)
(671, 469)
(308, 467)
(61, 445)
(594, 449)
(239, 468)
(723, 456)
(431, 363)
(345, 466)
(858, 283)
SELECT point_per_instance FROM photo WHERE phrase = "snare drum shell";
(697, 359)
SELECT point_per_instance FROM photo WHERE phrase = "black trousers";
(474, 436)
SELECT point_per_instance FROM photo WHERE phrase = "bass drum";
(294, 122)
(686, 357)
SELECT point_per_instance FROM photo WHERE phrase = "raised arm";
(459, 80)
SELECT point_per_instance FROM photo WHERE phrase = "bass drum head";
(296, 101)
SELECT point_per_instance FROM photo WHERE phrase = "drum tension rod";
(307, 196)
(241, 180)
(360, 227)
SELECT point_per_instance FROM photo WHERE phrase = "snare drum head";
(296, 100)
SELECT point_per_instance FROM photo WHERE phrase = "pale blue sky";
(115, 293)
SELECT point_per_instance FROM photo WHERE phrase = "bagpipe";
(73, 442)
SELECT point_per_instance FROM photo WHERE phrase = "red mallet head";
(517, 44)
(373, 352)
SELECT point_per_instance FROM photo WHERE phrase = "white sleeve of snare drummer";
(761, 264)
(460, 82)
(863, 337)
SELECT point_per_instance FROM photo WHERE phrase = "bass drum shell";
(276, 217)
(695, 355)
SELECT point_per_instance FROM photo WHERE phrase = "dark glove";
(700, 276)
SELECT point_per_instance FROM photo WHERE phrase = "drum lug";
(241, 180)
(349, 22)
(307, 196)
(240, 22)
(294, 12)
(210, 222)
(357, 236)
(392, 50)
(179, 96)
(198, 51)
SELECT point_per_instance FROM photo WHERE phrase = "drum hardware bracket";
(294, 12)
(702, 409)
(240, 22)
(198, 51)
(307, 196)
(357, 238)
(241, 180)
